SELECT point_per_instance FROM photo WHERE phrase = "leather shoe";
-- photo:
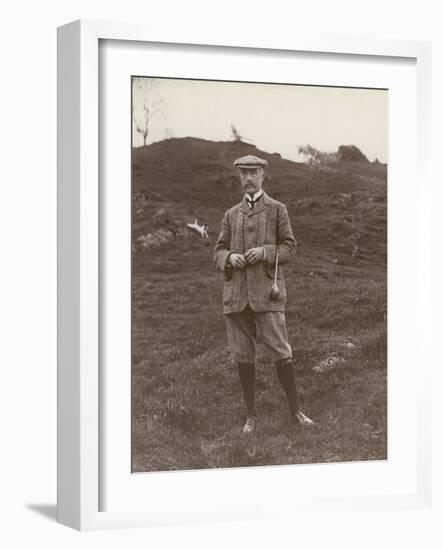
(303, 420)
(250, 425)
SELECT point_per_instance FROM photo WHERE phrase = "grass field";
(187, 409)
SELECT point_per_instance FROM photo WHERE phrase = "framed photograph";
(243, 272)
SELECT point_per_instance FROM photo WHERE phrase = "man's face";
(251, 179)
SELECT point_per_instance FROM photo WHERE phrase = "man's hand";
(254, 255)
(237, 260)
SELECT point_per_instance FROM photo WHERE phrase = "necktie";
(251, 202)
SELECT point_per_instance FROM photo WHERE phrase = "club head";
(275, 292)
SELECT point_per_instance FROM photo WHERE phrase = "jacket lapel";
(238, 236)
(260, 210)
(259, 207)
(244, 207)
(262, 219)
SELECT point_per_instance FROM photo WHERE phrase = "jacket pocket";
(228, 272)
(228, 292)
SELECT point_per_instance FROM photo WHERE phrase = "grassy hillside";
(187, 405)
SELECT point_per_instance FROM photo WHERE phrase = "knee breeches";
(266, 330)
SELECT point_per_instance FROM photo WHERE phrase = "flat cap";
(250, 161)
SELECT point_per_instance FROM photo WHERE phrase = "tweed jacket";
(267, 225)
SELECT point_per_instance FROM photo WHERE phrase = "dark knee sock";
(287, 379)
(247, 378)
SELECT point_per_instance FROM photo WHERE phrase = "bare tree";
(235, 134)
(238, 137)
(146, 104)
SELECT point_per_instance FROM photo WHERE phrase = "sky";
(277, 118)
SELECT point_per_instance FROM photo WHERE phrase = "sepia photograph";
(258, 274)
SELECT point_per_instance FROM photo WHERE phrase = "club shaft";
(276, 268)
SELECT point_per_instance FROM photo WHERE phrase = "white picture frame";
(79, 368)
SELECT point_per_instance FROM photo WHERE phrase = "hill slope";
(186, 401)
(192, 178)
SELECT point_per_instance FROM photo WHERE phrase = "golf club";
(275, 292)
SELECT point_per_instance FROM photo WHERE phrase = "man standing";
(255, 236)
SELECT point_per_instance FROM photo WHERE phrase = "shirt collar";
(255, 196)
